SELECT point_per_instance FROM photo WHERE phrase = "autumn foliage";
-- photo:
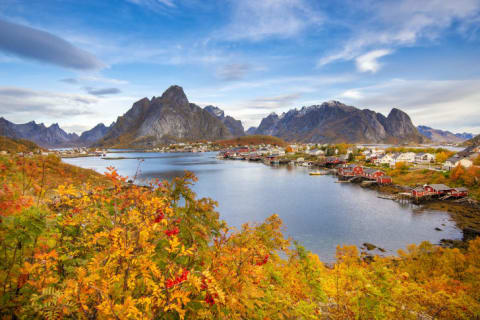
(118, 251)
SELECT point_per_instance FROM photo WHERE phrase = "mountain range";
(441, 136)
(234, 126)
(172, 118)
(166, 119)
(52, 136)
(333, 121)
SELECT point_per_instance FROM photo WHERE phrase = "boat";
(317, 173)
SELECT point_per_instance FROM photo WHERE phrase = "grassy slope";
(17, 145)
(253, 140)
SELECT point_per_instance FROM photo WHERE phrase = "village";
(368, 165)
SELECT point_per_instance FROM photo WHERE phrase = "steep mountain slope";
(234, 126)
(465, 135)
(251, 131)
(47, 137)
(13, 145)
(442, 136)
(475, 141)
(333, 122)
(169, 118)
(93, 135)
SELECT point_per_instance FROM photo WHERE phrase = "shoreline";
(465, 214)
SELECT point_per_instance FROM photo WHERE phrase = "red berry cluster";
(262, 262)
(171, 282)
(209, 299)
(172, 232)
(160, 216)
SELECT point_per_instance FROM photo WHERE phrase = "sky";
(78, 63)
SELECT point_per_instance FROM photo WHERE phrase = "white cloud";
(442, 104)
(400, 23)
(352, 94)
(21, 104)
(31, 43)
(259, 19)
(155, 5)
(274, 103)
(368, 62)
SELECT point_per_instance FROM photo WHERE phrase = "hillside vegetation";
(457, 177)
(17, 145)
(475, 141)
(253, 140)
(93, 250)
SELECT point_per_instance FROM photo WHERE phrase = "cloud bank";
(30, 43)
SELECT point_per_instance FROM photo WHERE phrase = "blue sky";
(83, 62)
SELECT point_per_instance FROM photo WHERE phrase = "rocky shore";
(465, 213)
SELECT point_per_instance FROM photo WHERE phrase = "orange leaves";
(135, 252)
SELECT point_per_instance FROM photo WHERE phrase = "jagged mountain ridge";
(47, 137)
(251, 131)
(52, 136)
(234, 126)
(166, 119)
(475, 141)
(91, 136)
(442, 136)
(333, 122)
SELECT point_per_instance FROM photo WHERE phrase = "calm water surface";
(316, 211)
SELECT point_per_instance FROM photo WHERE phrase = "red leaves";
(172, 282)
(264, 261)
(22, 279)
(172, 232)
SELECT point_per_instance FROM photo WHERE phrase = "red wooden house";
(384, 180)
(372, 174)
(418, 192)
(350, 170)
(459, 192)
(438, 189)
(358, 171)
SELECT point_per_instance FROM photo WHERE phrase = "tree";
(441, 157)
(477, 161)
(351, 157)
(111, 250)
(457, 173)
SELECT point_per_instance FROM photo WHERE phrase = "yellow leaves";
(173, 243)
(66, 190)
(114, 257)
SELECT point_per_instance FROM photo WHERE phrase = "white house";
(389, 159)
(316, 152)
(406, 157)
(455, 161)
(424, 158)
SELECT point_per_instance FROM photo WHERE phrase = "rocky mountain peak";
(216, 111)
(234, 126)
(176, 95)
(398, 114)
(334, 121)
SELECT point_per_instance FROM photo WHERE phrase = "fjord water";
(316, 211)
